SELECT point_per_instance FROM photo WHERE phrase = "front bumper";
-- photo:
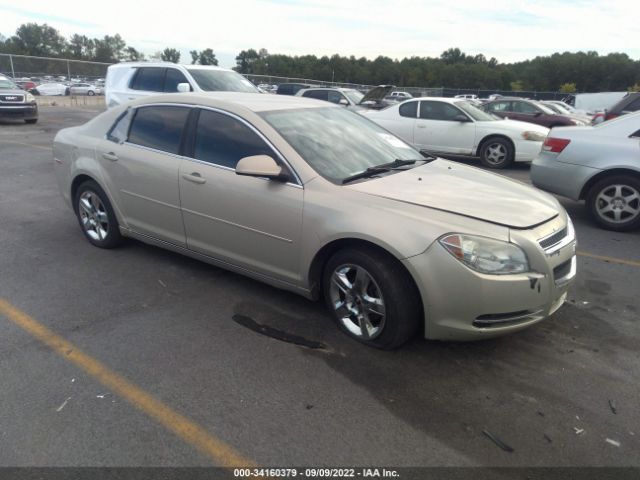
(27, 111)
(462, 304)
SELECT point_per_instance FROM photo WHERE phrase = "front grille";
(12, 98)
(554, 239)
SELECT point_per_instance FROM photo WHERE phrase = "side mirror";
(537, 114)
(461, 118)
(344, 101)
(184, 87)
(260, 166)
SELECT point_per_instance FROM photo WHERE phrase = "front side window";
(159, 127)
(172, 79)
(148, 79)
(438, 111)
(409, 109)
(335, 97)
(317, 94)
(224, 140)
(337, 142)
(524, 107)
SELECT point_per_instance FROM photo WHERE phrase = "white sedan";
(451, 126)
(52, 89)
(85, 89)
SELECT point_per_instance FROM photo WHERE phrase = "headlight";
(485, 255)
(534, 136)
(30, 98)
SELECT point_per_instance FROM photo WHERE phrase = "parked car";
(316, 199)
(26, 85)
(628, 104)
(52, 89)
(458, 127)
(399, 96)
(467, 96)
(291, 88)
(598, 164)
(85, 89)
(16, 103)
(529, 111)
(349, 97)
(560, 109)
(129, 81)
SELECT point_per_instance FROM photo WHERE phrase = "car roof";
(255, 102)
(337, 89)
(167, 64)
(439, 99)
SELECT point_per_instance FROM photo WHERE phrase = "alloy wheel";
(357, 301)
(93, 216)
(495, 154)
(618, 203)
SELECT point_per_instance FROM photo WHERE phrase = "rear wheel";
(91, 93)
(497, 152)
(372, 297)
(614, 203)
(96, 216)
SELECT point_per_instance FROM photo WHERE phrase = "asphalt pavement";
(266, 374)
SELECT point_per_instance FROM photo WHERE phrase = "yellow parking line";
(621, 261)
(221, 453)
(25, 144)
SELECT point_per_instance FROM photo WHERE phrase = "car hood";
(12, 91)
(377, 94)
(467, 191)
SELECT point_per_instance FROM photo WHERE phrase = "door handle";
(195, 177)
(110, 156)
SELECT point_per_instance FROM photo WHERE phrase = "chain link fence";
(43, 69)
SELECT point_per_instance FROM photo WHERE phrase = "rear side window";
(223, 140)
(524, 107)
(633, 106)
(172, 79)
(409, 109)
(118, 132)
(148, 79)
(159, 127)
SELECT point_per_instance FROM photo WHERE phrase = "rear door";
(254, 223)
(141, 161)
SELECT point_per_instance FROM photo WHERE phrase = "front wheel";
(497, 153)
(96, 216)
(91, 93)
(614, 203)
(372, 297)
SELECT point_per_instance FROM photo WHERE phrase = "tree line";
(579, 71)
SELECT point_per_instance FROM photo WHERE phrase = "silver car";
(85, 89)
(318, 200)
(599, 164)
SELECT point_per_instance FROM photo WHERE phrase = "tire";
(96, 216)
(614, 203)
(385, 311)
(31, 120)
(496, 153)
(91, 93)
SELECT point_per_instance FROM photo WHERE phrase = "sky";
(509, 30)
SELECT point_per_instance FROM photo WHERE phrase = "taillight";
(555, 145)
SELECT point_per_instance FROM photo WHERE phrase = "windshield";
(475, 113)
(221, 80)
(354, 95)
(6, 84)
(544, 108)
(336, 142)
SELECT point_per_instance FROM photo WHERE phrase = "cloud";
(506, 29)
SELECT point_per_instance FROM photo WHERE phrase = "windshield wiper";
(385, 167)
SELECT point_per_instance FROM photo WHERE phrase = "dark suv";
(629, 103)
(529, 111)
(16, 103)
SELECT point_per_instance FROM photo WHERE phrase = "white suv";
(128, 81)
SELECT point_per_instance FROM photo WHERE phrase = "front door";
(254, 223)
(438, 129)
